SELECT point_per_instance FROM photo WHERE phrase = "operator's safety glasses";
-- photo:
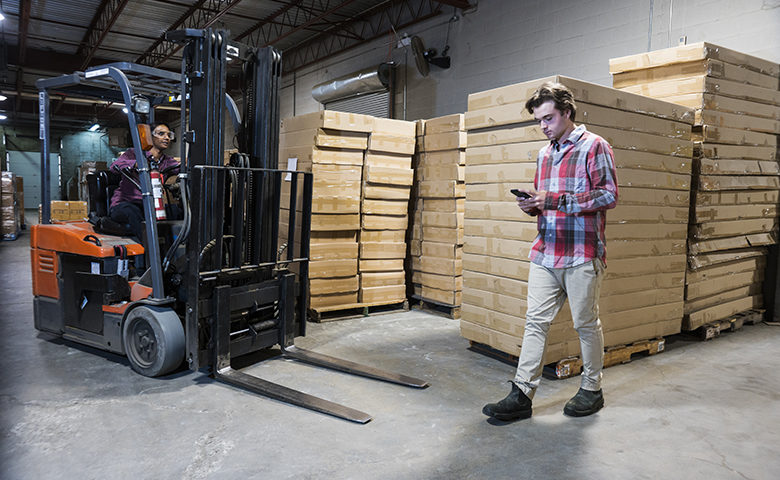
(169, 135)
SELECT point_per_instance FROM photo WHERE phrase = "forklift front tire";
(154, 340)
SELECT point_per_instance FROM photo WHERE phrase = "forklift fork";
(224, 372)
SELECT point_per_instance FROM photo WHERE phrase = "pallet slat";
(450, 311)
(730, 324)
(569, 367)
(356, 310)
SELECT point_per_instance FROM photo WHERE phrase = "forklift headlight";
(141, 105)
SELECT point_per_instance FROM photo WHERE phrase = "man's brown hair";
(558, 93)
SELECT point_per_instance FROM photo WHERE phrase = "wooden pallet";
(356, 310)
(450, 311)
(569, 367)
(730, 324)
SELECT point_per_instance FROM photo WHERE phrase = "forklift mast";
(232, 230)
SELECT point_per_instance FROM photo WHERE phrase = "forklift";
(218, 284)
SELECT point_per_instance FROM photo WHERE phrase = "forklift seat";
(101, 186)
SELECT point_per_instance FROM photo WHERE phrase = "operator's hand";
(533, 204)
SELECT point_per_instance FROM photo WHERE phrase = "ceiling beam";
(107, 13)
(74, 25)
(48, 61)
(374, 23)
(464, 4)
(270, 19)
(303, 17)
(24, 23)
(230, 14)
(201, 15)
(80, 113)
(152, 53)
(19, 88)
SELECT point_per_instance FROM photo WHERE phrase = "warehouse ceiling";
(45, 38)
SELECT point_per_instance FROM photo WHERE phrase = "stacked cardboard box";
(331, 146)
(642, 292)
(436, 248)
(735, 186)
(61, 210)
(387, 181)
(10, 211)
(362, 173)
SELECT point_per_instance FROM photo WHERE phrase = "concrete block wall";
(509, 41)
(85, 147)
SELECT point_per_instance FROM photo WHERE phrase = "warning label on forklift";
(42, 99)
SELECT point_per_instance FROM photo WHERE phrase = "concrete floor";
(697, 411)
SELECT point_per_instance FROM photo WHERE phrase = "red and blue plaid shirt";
(579, 178)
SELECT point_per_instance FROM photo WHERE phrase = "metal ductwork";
(368, 80)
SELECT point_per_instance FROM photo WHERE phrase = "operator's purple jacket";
(126, 191)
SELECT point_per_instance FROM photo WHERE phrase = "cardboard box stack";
(331, 146)
(436, 248)
(735, 176)
(9, 207)
(362, 173)
(387, 181)
(642, 293)
(62, 210)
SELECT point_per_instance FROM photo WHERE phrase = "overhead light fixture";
(2, 17)
(3, 98)
(3, 116)
(94, 127)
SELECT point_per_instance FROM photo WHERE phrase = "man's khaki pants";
(548, 288)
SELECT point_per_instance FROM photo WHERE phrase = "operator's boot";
(515, 406)
(585, 403)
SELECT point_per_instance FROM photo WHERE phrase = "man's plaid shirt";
(579, 178)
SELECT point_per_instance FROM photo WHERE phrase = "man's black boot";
(515, 406)
(585, 403)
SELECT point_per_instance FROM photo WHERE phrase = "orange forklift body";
(78, 291)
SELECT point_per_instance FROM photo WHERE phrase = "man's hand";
(535, 203)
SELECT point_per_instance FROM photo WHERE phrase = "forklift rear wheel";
(154, 340)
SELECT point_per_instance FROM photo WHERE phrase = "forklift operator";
(126, 206)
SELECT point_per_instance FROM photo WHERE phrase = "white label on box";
(292, 164)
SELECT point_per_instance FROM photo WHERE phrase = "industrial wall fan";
(423, 57)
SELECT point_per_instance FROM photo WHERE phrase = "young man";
(126, 206)
(575, 184)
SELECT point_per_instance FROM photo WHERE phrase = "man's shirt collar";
(572, 138)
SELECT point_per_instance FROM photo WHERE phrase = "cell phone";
(521, 195)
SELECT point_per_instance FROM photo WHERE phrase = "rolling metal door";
(374, 104)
